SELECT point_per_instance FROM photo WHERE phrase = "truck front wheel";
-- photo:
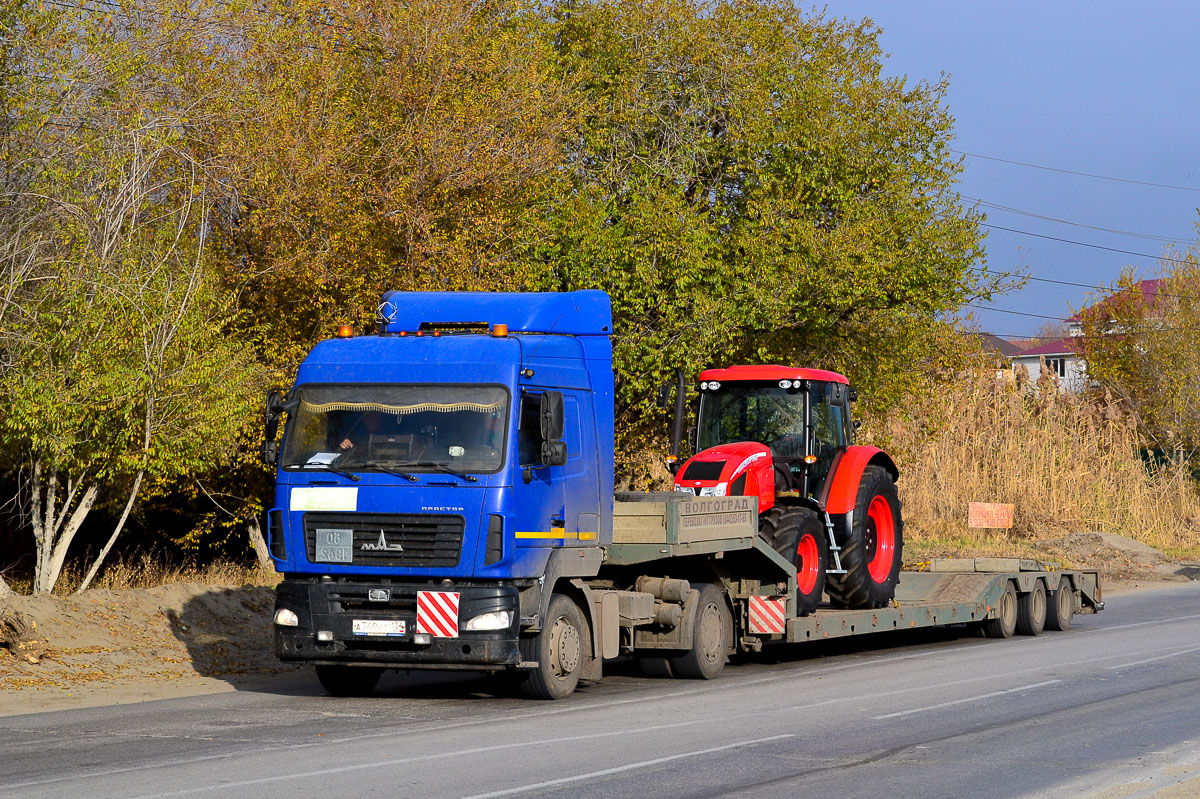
(348, 680)
(712, 638)
(561, 650)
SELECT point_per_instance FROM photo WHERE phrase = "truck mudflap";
(395, 625)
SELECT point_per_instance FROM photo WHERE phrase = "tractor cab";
(769, 431)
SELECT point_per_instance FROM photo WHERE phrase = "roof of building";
(991, 343)
(1063, 346)
(1149, 288)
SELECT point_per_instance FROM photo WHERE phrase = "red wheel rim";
(807, 568)
(880, 514)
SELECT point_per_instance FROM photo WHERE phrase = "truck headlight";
(286, 618)
(496, 620)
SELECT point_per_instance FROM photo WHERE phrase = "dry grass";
(149, 570)
(1068, 464)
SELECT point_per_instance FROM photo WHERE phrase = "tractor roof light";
(785, 383)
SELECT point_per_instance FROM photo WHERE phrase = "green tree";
(749, 187)
(1143, 348)
(116, 368)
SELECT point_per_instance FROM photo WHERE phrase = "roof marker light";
(499, 330)
(345, 331)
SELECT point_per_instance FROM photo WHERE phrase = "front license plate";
(387, 627)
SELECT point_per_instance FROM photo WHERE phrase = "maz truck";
(444, 500)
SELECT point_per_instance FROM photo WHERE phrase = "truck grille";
(391, 539)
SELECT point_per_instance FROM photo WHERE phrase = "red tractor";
(784, 435)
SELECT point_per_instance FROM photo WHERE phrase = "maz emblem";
(381, 545)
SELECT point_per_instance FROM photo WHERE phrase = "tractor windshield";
(761, 412)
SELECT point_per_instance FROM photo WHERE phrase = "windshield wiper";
(441, 467)
(380, 467)
(334, 469)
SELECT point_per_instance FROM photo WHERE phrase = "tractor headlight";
(718, 490)
(496, 620)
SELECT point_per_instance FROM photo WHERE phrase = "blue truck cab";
(433, 474)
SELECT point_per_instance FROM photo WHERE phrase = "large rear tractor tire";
(712, 638)
(1005, 623)
(561, 650)
(1031, 611)
(798, 535)
(348, 680)
(1060, 608)
(873, 548)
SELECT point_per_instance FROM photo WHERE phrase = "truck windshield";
(411, 428)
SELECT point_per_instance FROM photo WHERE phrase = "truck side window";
(529, 431)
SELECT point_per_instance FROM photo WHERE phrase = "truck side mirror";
(269, 453)
(552, 415)
(554, 453)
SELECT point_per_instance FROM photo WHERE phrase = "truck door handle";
(557, 522)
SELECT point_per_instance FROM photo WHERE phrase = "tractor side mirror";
(663, 400)
(838, 394)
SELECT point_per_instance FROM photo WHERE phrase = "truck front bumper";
(327, 611)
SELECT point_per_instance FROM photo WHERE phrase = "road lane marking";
(418, 759)
(1151, 660)
(537, 786)
(968, 699)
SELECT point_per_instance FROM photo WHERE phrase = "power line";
(1080, 174)
(1083, 243)
(1011, 210)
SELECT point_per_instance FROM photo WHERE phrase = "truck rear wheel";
(712, 638)
(873, 547)
(348, 680)
(1031, 611)
(1005, 623)
(561, 650)
(799, 536)
(1060, 609)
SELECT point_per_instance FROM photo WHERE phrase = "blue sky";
(1105, 88)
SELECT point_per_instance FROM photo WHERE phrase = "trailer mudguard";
(845, 475)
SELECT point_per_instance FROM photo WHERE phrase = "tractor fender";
(846, 474)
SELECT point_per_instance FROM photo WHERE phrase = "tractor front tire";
(872, 549)
(798, 535)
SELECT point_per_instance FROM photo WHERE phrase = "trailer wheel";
(799, 536)
(873, 548)
(712, 638)
(1005, 623)
(1060, 608)
(348, 680)
(1031, 611)
(561, 649)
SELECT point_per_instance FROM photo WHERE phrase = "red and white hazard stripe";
(437, 613)
(768, 615)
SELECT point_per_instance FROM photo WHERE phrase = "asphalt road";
(1110, 708)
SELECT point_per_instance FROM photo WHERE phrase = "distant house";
(1062, 357)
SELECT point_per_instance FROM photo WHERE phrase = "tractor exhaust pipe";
(680, 412)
